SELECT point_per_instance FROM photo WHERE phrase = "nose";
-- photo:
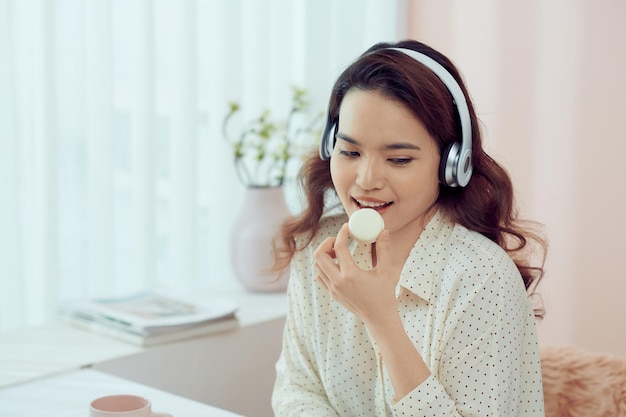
(370, 174)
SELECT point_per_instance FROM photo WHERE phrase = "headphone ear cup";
(327, 142)
(448, 165)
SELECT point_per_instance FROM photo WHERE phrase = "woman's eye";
(400, 161)
(349, 154)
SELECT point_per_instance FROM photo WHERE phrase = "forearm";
(403, 362)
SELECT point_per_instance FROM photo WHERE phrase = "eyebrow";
(391, 146)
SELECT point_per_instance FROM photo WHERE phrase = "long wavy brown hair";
(485, 205)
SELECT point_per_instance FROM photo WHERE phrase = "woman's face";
(386, 160)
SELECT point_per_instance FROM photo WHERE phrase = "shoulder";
(329, 227)
(478, 251)
(477, 265)
(477, 278)
(467, 260)
(447, 239)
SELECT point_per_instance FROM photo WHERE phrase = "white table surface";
(42, 351)
(69, 395)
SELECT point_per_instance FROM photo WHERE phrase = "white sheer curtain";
(114, 175)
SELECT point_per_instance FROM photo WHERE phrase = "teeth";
(370, 204)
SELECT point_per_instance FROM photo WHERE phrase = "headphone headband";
(456, 167)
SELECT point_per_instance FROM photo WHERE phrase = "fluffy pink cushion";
(577, 383)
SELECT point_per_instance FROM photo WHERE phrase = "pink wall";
(548, 80)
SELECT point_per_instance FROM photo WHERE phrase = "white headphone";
(456, 161)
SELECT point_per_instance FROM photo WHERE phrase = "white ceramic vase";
(264, 209)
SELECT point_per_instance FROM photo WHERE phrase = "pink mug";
(123, 406)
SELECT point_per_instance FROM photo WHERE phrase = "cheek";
(337, 174)
(333, 171)
(424, 184)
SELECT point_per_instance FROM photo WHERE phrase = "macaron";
(365, 225)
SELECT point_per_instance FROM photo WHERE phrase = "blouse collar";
(421, 266)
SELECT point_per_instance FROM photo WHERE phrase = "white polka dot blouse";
(464, 306)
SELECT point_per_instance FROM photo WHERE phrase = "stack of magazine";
(148, 319)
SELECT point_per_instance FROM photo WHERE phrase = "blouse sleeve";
(488, 361)
(298, 390)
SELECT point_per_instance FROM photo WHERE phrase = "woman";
(434, 318)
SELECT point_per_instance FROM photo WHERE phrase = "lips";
(373, 204)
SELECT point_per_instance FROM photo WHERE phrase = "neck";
(403, 240)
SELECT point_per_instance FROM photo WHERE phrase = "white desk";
(232, 370)
(41, 351)
(69, 395)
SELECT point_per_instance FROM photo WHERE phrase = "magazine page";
(149, 312)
